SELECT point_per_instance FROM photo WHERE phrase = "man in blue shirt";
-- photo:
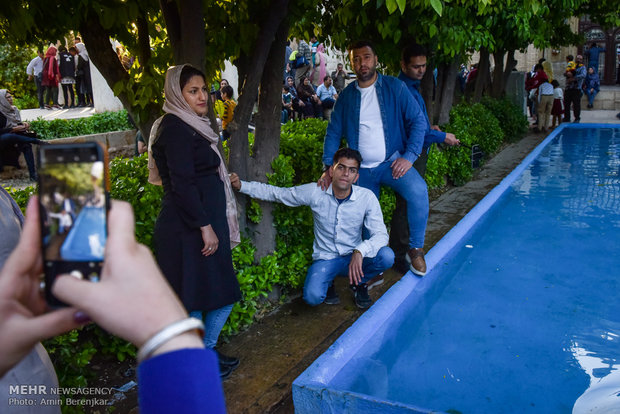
(340, 214)
(413, 67)
(327, 93)
(593, 56)
(377, 115)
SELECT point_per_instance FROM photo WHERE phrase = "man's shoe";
(375, 281)
(225, 371)
(360, 292)
(227, 360)
(331, 298)
(400, 265)
(417, 264)
(576, 121)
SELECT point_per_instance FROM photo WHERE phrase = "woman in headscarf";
(197, 226)
(15, 137)
(307, 94)
(50, 78)
(85, 88)
(319, 71)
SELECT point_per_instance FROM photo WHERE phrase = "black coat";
(66, 64)
(193, 197)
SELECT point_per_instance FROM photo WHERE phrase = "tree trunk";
(193, 44)
(482, 79)
(511, 63)
(497, 84)
(107, 62)
(437, 93)
(267, 137)
(252, 70)
(447, 91)
(426, 90)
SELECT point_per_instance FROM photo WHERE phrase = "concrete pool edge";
(314, 383)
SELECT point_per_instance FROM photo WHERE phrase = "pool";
(519, 312)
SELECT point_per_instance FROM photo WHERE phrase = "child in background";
(229, 109)
(557, 110)
(287, 104)
(570, 63)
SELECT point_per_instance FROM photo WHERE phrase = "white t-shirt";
(372, 138)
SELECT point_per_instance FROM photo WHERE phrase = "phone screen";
(73, 209)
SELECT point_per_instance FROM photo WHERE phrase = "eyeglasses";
(343, 168)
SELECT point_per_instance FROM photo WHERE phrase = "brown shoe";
(417, 264)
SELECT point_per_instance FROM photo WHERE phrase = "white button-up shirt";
(337, 226)
(35, 66)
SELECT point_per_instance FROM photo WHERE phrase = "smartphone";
(73, 206)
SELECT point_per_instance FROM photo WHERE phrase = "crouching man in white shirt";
(340, 214)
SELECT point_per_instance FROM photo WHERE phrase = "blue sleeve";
(415, 124)
(434, 137)
(185, 381)
(334, 132)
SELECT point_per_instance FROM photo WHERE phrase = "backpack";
(297, 60)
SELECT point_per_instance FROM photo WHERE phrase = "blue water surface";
(526, 315)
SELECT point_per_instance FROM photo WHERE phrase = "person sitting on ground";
(307, 94)
(592, 86)
(287, 104)
(327, 93)
(340, 213)
(298, 104)
(15, 136)
(131, 284)
(229, 109)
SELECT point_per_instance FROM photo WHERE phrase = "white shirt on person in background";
(558, 93)
(371, 135)
(35, 66)
(324, 92)
(337, 226)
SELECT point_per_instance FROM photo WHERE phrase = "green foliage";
(303, 142)
(436, 168)
(22, 196)
(387, 199)
(129, 182)
(511, 118)
(13, 61)
(472, 124)
(96, 124)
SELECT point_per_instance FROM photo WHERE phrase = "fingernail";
(81, 317)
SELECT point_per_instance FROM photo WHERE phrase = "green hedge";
(95, 124)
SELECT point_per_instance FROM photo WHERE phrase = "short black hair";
(348, 153)
(555, 83)
(412, 50)
(363, 43)
(326, 77)
(62, 48)
(189, 72)
(570, 57)
(538, 66)
(228, 90)
(286, 88)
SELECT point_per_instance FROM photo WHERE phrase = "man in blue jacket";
(377, 116)
(413, 67)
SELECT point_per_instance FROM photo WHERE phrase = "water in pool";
(527, 317)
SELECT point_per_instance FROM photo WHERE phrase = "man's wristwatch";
(357, 251)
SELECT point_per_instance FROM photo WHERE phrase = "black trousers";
(399, 229)
(572, 96)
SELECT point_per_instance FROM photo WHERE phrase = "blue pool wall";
(311, 390)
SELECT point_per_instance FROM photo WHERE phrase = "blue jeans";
(411, 187)
(214, 322)
(591, 96)
(322, 272)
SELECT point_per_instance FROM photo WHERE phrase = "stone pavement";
(49, 114)
(275, 350)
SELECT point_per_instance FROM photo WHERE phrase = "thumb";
(75, 292)
(52, 323)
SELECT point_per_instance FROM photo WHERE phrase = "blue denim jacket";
(431, 136)
(403, 122)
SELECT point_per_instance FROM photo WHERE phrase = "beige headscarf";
(11, 112)
(176, 104)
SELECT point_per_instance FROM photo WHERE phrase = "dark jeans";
(328, 103)
(40, 89)
(399, 229)
(67, 90)
(11, 145)
(51, 93)
(572, 96)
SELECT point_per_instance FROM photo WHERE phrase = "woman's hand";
(19, 128)
(210, 239)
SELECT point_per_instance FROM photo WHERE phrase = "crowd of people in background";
(68, 68)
